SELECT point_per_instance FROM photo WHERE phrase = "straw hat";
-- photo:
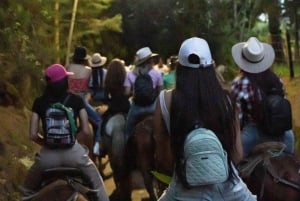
(98, 60)
(143, 55)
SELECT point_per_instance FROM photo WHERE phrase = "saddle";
(73, 176)
(260, 154)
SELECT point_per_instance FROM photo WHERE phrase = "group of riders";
(195, 98)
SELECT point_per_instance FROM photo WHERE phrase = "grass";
(285, 71)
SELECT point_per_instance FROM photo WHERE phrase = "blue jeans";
(234, 189)
(252, 137)
(94, 116)
(97, 94)
(134, 113)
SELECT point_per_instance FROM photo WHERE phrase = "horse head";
(272, 174)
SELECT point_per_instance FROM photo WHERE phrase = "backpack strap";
(164, 110)
(68, 113)
(66, 99)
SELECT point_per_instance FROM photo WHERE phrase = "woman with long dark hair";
(198, 100)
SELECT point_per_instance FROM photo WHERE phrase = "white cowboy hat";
(143, 55)
(98, 60)
(253, 56)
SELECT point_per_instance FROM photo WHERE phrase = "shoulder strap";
(164, 110)
(66, 99)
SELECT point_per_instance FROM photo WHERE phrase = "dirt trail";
(139, 194)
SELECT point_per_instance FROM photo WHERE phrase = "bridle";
(268, 168)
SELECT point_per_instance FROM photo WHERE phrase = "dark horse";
(144, 159)
(271, 174)
(62, 184)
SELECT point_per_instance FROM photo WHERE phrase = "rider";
(114, 91)
(199, 97)
(75, 156)
(78, 84)
(96, 82)
(254, 59)
(143, 64)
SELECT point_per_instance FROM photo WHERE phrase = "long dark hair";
(263, 83)
(198, 98)
(97, 77)
(57, 89)
(267, 81)
(115, 77)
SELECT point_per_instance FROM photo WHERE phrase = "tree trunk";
(71, 30)
(56, 31)
(273, 10)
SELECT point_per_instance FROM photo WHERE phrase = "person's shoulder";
(39, 100)
(74, 96)
(155, 71)
(88, 68)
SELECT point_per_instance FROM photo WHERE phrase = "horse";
(144, 159)
(114, 144)
(62, 184)
(271, 174)
(88, 141)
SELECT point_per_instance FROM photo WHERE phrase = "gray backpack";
(205, 160)
(60, 127)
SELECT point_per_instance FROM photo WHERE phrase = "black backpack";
(277, 115)
(144, 93)
(59, 126)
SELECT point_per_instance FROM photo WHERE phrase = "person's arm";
(34, 128)
(163, 152)
(84, 122)
(127, 91)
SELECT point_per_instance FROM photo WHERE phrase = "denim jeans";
(252, 137)
(97, 94)
(234, 189)
(94, 116)
(134, 113)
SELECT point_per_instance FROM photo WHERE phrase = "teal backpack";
(205, 160)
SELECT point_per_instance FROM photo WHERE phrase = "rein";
(268, 168)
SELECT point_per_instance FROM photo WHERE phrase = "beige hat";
(253, 56)
(98, 60)
(143, 55)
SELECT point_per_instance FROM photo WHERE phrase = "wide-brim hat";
(98, 60)
(253, 56)
(80, 53)
(143, 55)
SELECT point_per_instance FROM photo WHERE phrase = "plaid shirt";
(243, 93)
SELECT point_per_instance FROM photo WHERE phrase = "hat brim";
(101, 63)
(251, 67)
(87, 57)
(139, 62)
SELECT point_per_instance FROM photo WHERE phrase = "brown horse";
(62, 184)
(270, 174)
(143, 145)
(274, 176)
